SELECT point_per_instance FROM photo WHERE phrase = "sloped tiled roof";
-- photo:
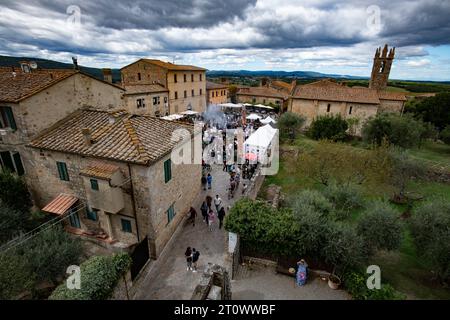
(168, 65)
(212, 85)
(390, 95)
(60, 204)
(332, 91)
(263, 92)
(99, 169)
(16, 86)
(129, 138)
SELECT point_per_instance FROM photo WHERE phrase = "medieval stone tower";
(382, 63)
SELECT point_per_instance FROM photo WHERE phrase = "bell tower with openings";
(382, 63)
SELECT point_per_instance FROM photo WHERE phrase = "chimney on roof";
(87, 136)
(107, 75)
(111, 119)
(75, 63)
(25, 66)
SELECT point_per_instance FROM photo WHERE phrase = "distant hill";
(278, 74)
(7, 61)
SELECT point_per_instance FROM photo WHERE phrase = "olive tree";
(290, 124)
(430, 229)
(380, 227)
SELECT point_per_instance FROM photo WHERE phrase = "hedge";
(99, 276)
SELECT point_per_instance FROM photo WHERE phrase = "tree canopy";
(328, 127)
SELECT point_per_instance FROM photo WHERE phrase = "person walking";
(204, 210)
(209, 180)
(211, 218)
(217, 203)
(192, 215)
(195, 256)
(188, 255)
(209, 201)
(204, 181)
(221, 216)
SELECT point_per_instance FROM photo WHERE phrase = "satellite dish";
(33, 65)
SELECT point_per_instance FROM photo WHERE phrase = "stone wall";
(214, 284)
(150, 108)
(196, 100)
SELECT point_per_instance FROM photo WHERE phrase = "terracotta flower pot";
(334, 282)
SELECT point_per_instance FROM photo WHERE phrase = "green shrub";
(290, 125)
(328, 127)
(380, 227)
(99, 276)
(16, 276)
(343, 247)
(400, 130)
(14, 192)
(445, 135)
(430, 225)
(311, 200)
(50, 252)
(345, 198)
(355, 284)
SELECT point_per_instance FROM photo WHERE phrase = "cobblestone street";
(167, 278)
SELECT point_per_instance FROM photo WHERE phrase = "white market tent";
(260, 141)
(173, 117)
(263, 106)
(189, 112)
(253, 116)
(231, 105)
(268, 120)
(247, 105)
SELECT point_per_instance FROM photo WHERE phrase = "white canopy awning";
(261, 138)
(247, 104)
(188, 112)
(263, 106)
(173, 117)
(231, 105)
(253, 116)
(268, 120)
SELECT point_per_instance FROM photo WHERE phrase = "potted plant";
(334, 281)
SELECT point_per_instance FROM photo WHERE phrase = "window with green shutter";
(167, 170)
(92, 214)
(7, 116)
(62, 170)
(94, 184)
(170, 214)
(126, 225)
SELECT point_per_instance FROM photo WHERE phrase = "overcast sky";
(325, 36)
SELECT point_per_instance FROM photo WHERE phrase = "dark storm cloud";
(195, 25)
(417, 22)
(150, 15)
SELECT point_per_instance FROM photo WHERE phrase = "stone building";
(151, 99)
(263, 95)
(34, 99)
(186, 84)
(216, 93)
(111, 173)
(329, 97)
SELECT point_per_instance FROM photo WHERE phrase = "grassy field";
(402, 268)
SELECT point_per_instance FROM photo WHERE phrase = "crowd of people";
(213, 210)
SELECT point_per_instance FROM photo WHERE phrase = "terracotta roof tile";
(332, 91)
(99, 169)
(19, 85)
(130, 138)
(60, 204)
(263, 92)
(390, 95)
(212, 85)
